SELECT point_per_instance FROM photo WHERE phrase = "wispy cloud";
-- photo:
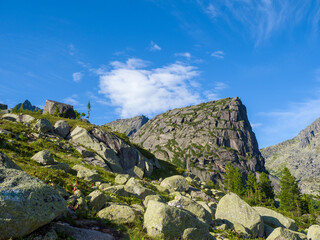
(185, 54)
(218, 54)
(154, 46)
(256, 125)
(72, 49)
(211, 10)
(72, 100)
(214, 93)
(77, 76)
(136, 90)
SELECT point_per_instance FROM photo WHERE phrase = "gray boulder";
(245, 215)
(43, 126)
(121, 179)
(6, 162)
(314, 232)
(62, 128)
(65, 110)
(11, 117)
(167, 222)
(175, 183)
(152, 197)
(284, 234)
(26, 204)
(119, 212)
(43, 157)
(97, 200)
(274, 219)
(80, 233)
(86, 173)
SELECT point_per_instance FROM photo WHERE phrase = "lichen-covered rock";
(26, 203)
(86, 173)
(62, 166)
(97, 200)
(24, 118)
(313, 232)
(6, 162)
(11, 117)
(274, 219)
(134, 188)
(152, 197)
(62, 128)
(175, 183)
(65, 110)
(284, 234)
(196, 234)
(136, 172)
(233, 209)
(193, 207)
(43, 126)
(43, 157)
(167, 222)
(121, 179)
(119, 212)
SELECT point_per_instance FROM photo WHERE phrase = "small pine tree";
(56, 111)
(252, 185)
(238, 187)
(21, 107)
(228, 181)
(289, 192)
(266, 193)
(89, 109)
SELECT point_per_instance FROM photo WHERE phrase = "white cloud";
(218, 54)
(72, 100)
(140, 91)
(211, 11)
(72, 49)
(77, 76)
(154, 47)
(214, 93)
(185, 54)
(256, 125)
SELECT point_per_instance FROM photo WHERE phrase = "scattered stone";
(245, 215)
(118, 212)
(136, 172)
(11, 117)
(6, 162)
(196, 234)
(43, 157)
(134, 188)
(121, 179)
(152, 197)
(167, 222)
(104, 186)
(26, 203)
(80, 233)
(62, 166)
(313, 232)
(175, 183)
(283, 233)
(97, 200)
(62, 128)
(274, 219)
(43, 126)
(24, 118)
(87, 174)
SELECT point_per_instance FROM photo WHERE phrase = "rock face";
(26, 203)
(300, 155)
(3, 106)
(167, 222)
(231, 208)
(128, 126)
(27, 106)
(64, 109)
(284, 234)
(204, 137)
(6, 162)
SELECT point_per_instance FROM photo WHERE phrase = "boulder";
(65, 110)
(284, 234)
(152, 197)
(121, 179)
(313, 232)
(167, 222)
(11, 117)
(62, 128)
(118, 212)
(24, 118)
(175, 183)
(43, 126)
(26, 203)
(6, 162)
(43, 157)
(196, 234)
(86, 174)
(79, 233)
(245, 215)
(136, 172)
(134, 188)
(193, 207)
(274, 219)
(62, 166)
(97, 200)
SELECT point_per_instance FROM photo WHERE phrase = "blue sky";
(145, 57)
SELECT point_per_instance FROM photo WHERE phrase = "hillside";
(301, 155)
(203, 138)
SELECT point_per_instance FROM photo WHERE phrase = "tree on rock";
(289, 192)
(233, 180)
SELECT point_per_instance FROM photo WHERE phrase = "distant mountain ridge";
(27, 106)
(203, 138)
(128, 126)
(301, 155)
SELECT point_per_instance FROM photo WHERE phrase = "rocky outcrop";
(283, 233)
(3, 106)
(62, 128)
(233, 210)
(128, 126)
(175, 183)
(65, 110)
(22, 118)
(300, 155)
(119, 212)
(26, 203)
(203, 138)
(6, 162)
(43, 126)
(26, 105)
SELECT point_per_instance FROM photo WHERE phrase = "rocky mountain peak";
(204, 137)
(307, 134)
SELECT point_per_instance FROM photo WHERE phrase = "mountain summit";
(204, 138)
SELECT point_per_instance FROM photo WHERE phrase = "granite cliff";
(301, 155)
(204, 138)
